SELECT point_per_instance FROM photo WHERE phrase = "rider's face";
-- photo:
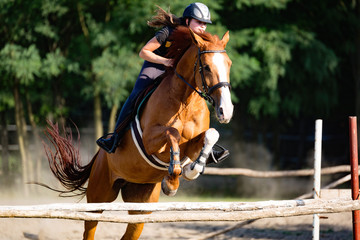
(197, 26)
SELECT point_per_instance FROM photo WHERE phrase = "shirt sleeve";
(162, 35)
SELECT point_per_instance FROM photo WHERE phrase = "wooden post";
(354, 174)
(317, 175)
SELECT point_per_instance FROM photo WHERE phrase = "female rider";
(195, 16)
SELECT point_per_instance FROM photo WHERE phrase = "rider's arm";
(147, 54)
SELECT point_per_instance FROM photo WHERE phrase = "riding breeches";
(149, 72)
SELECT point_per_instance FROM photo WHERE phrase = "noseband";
(207, 91)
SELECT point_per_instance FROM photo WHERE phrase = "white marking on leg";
(189, 173)
(192, 171)
(211, 137)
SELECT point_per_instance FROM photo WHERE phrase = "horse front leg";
(194, 169)
(163, 138)
(170, 183)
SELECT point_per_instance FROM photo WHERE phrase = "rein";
(207, 91)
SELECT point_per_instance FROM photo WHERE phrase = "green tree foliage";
(277, 47)
(20, 63)
(291, 58)
(291, 72)
(115, 72)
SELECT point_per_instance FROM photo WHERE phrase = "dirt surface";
(337, 226)
(332, 226)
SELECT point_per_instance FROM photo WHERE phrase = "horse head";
(212, 73)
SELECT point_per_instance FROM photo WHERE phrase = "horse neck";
(185, 68)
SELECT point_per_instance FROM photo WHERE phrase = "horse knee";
(173, 136)
(211, 137)
(193, 170)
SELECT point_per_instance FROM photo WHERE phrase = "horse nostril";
(221, 111)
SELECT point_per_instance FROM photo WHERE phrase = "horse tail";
(64, 161)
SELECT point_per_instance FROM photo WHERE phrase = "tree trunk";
(301, 144)
(276, 147)
(97, 118)
(4, 145)
(36, 137)
(97, 98)
(113, 119)
(21, 136)
(29, 161)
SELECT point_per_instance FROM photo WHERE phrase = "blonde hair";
(164, 18)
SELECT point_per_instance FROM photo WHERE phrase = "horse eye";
(207, 68)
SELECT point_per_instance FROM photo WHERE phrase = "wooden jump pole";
(274, 174)
(188, 211)
(354, 174)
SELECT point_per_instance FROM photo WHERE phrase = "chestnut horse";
(175, 126)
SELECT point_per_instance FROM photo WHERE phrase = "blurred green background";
(294, 61)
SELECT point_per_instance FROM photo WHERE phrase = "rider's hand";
(168, 62)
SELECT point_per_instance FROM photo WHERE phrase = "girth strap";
(152, 160)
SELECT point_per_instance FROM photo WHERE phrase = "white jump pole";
(317, 175)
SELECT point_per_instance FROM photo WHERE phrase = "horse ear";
(197, 40)
(225, 38)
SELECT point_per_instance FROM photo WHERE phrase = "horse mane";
(181, 41)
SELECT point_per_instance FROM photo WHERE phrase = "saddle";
(140, 100)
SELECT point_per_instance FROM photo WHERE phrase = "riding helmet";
(198, 11)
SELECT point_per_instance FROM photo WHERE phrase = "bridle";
(207, 91)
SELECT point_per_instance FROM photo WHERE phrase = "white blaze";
(225, 99)
(219, 62)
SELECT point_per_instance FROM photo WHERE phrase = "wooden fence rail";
(221, 211)
(274, 174)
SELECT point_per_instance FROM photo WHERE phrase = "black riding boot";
(217, 156)
(109, 144)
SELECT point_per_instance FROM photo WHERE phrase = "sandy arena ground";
(336, 227)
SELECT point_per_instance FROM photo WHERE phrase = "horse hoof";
(166, 190)
(190, 173)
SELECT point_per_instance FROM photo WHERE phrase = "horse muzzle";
(223, 106)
